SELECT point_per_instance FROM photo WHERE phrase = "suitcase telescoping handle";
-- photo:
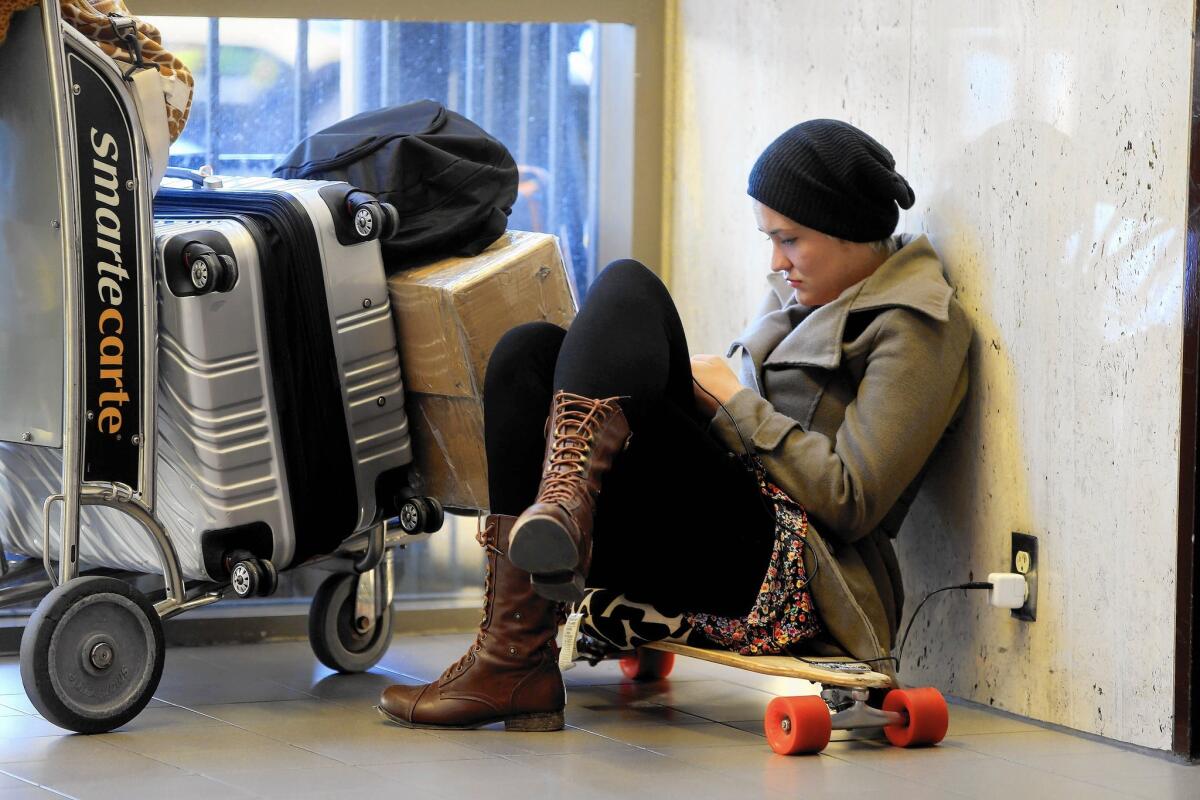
(199, 180)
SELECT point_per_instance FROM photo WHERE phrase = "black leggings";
(681, 522)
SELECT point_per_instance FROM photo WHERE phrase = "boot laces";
(576, 421)
(487, 542)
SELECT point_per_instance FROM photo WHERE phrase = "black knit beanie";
(830, 176)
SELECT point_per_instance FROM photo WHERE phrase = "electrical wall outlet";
(1025, 562)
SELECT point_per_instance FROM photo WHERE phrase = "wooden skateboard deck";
(804, 723)
(830, 671)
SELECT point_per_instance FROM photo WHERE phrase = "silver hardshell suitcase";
(229, 477)
(322, 326)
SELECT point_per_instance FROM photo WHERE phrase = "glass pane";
(530, 85)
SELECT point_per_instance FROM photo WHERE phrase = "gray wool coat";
(844, 405)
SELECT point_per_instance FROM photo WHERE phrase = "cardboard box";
(449, 316)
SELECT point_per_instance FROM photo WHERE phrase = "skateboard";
(803, 724)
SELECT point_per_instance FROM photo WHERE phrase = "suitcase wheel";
(421, 515)
(92, 654)
(413, 516)
(340, 640)
(253, 577)
(437, 515)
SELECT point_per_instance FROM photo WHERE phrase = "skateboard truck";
(850, 710)
(848, 666)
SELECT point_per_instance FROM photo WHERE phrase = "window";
(535, 86)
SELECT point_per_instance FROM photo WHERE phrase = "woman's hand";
(714, 382)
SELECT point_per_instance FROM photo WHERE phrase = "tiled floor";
(268, 721)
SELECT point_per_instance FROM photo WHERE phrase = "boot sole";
(561, 587)
(541, 721)
(540, 544)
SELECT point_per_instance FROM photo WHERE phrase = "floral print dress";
(783, 614)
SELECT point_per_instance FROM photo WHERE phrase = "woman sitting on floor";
(694, 497)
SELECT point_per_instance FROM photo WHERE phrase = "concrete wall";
(1047, 144)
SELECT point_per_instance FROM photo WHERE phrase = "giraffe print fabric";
(90, 17)
(7, 9)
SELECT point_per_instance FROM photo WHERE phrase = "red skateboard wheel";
(928, 716)
(647, 665)
(797, 725)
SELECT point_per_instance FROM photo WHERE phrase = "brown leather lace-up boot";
(553, 537)
(510, 674)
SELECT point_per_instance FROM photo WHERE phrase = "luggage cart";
(92, 653)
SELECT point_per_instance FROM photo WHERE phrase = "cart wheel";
(647, 665)
(928, 716)
(413, 515)
(336, 639)
(92, 654)
(437, 515)
(245, 578)
(797, 725)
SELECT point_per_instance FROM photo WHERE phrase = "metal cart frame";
(366, 551)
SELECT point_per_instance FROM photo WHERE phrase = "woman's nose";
(779, 261)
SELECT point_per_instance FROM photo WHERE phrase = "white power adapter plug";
(1008, 589)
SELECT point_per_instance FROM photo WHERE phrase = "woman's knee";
(631, 278)
(529, 348)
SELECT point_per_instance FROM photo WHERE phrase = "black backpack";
(453, 183)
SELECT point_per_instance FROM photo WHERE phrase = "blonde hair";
(884, 247)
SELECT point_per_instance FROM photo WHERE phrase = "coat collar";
(912, 278)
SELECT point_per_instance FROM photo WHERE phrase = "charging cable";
(747, 461)
(913, 618)
(745, 446)
(1007, 590)
(747, 453)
